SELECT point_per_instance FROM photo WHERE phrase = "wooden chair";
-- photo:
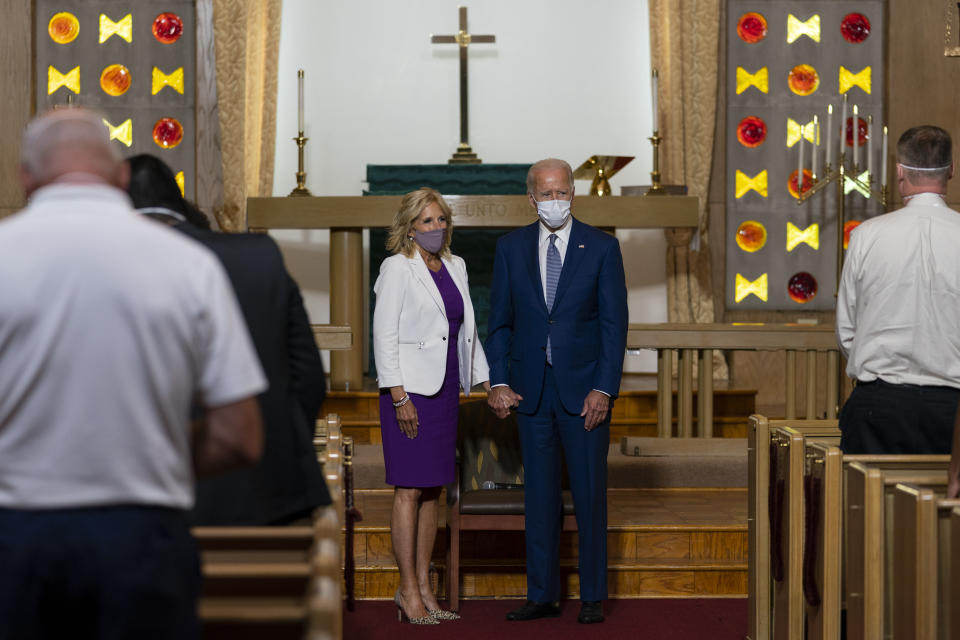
(489, 451)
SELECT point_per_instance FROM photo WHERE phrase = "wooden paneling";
(16, 100)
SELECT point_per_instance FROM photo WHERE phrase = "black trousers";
(98, 573)
(881, 418)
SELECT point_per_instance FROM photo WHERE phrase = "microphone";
(490, 484)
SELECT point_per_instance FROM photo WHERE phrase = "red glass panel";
(855, 28)
(792, 182)
(752, 131)
(752, 27)
(167, 133)
(167, 27)
(803, 79)
(861, 130)
(802, 287)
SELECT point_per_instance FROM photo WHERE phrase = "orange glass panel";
(803, 79)
(63, 27)
(848, 227)
(167, 133)
(115, 80)
(802, 287)
(752, 131)
(167, 27)
(751, 236)
(752, 27)
(792, 182)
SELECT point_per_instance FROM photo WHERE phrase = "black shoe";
(590, 612)
(533, 610)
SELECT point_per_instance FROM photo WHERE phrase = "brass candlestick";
(656, 189)
(301, 188)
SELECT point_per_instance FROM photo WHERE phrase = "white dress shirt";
(899, 299)
(563, 239)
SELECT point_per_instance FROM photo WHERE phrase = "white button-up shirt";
(898, 307)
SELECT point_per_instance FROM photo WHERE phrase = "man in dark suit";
(557, 337)
(287, 483)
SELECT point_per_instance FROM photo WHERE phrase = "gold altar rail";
(330, 212)
(698, 341)
(335, 338)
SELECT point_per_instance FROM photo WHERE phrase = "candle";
(656, 123)
(300, 100)
(843, 129)
(800, 166)
(816, 146)
(856, 138)
(883, 160)
(827, 144)
(870, 148)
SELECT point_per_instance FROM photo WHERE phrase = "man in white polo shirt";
(897, 310)
(112, 328)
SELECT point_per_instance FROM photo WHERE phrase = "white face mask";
(554, 213)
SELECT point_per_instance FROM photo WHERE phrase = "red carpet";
(676, 619)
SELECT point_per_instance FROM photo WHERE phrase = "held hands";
(953, 487)
(595, 408)
(501, 399)
(406, 413)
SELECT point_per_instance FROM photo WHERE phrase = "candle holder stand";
(656, 188)
(301, 188)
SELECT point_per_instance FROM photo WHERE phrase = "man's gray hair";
(926, 154)
(548, 163)
(68, 140)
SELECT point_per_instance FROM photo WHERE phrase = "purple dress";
(429, 460)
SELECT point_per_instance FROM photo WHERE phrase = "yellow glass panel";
(849, 185)
(848, 79)
(797, 29)
(122, 28)
(123, 132)
(810, 235)
(757, 183)
(745, 80)
(161, 80)
(63, 27)
(746, 287)
(70, 80)
(794, 131)
(179, 179)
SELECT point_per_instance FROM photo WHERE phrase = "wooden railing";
(699, 341)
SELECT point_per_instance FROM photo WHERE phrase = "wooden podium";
(347, 216)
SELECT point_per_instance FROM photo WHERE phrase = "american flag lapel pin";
(580, 246)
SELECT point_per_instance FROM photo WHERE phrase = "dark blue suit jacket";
(587, 325)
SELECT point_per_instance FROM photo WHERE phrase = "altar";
(347, 216)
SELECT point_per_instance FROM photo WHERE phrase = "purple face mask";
(431, 241)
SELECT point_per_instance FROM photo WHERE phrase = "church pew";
(953, 603)
(868, 522)
(825, 544)
(758, 519)
(921, 587)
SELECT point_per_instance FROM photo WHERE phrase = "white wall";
(565, 78)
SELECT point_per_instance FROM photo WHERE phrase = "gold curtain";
(246, 36)
(684, 37)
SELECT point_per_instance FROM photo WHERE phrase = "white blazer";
(410, 328)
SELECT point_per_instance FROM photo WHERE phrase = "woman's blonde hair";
(399, 238)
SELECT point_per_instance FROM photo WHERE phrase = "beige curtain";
(246, 36)
(684, 44)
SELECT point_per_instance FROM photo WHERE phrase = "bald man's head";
(69, 145)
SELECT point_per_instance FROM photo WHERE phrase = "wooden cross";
(463, 155)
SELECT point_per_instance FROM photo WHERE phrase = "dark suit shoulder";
(517, 236)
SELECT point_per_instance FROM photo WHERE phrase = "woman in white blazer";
(426, 350)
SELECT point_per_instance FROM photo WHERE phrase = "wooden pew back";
(869, 549)
(758, 519)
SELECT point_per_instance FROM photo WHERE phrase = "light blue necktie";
(553, 277)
